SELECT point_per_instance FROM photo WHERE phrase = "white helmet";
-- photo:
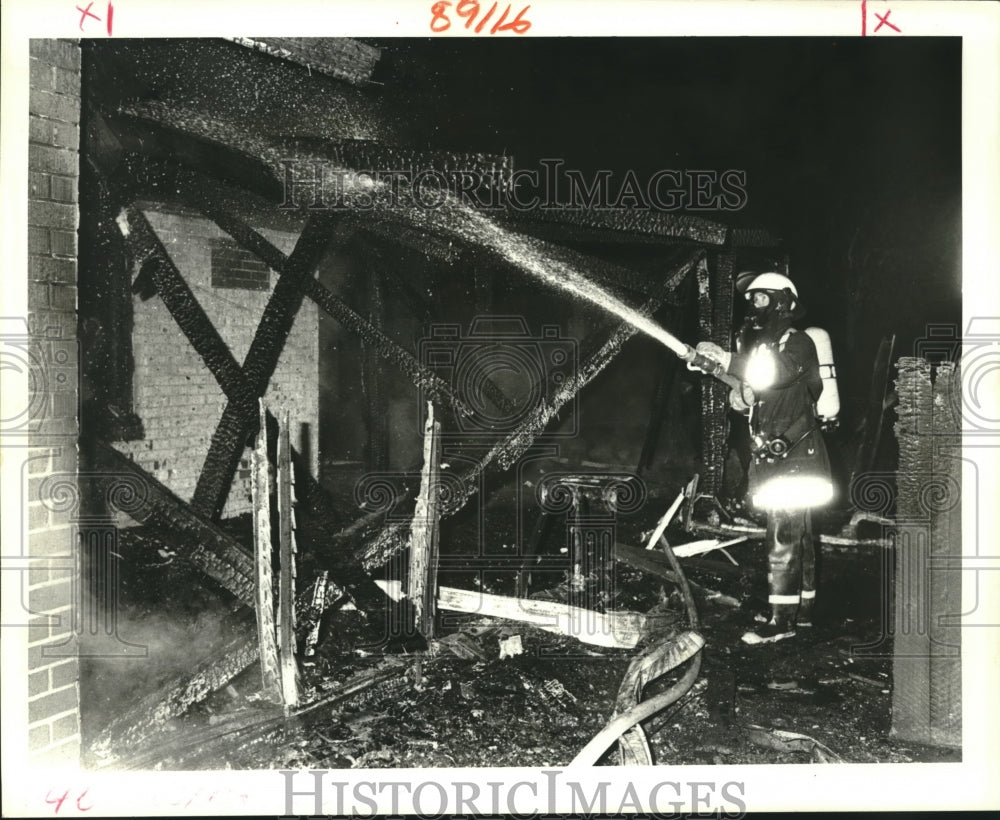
(772, 281)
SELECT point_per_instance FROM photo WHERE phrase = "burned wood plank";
(455, 220)
(618, 629)
(210, 549)
(239, 419)
(133, 726)
(263, 551)
(318, 607)
(286, 556)
(424, 532)
(506, 452)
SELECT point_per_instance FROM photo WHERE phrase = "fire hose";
(689, 644)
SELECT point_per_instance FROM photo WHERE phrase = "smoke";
(137, 651)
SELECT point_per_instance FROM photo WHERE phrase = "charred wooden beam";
(715, 301)
(339, 57)
(199, 329)
(135, 725)
(424, 532)
(263, 552)
(154, 261)
(633, 223)
(335, 307)
(717, 427)
(214, 552)
(505, 453)
(476, 175)
(455, 220)
(239, 419)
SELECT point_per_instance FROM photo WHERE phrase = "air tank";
(828, 404)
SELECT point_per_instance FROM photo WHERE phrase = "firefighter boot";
(781, 626)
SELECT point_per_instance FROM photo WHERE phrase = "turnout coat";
(786, 409)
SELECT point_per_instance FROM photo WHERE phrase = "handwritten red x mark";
(884, 21)
(85, 13)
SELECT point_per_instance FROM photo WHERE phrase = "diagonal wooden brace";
(154, 261)
(210, 549)
(424, 378)
(505, 453)
(239, 419)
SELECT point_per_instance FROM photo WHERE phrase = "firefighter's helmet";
(772, 281)
(781, 284)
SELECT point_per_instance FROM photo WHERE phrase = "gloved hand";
(712, 351)
(738, 402)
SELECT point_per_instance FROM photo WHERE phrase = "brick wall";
(177, 398)
(50, 472)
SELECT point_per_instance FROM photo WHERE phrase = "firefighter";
(790, 469)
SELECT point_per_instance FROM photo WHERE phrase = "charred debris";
(365, 611)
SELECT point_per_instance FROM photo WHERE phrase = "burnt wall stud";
(424, 531)
(926, 698)
(715, 316)
(287, 562)
(263, 586)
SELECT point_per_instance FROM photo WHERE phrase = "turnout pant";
(791, 561)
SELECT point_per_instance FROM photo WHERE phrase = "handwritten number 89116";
(469, 11)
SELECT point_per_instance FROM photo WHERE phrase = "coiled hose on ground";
(620, 724)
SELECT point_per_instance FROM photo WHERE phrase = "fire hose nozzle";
(695, 361)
